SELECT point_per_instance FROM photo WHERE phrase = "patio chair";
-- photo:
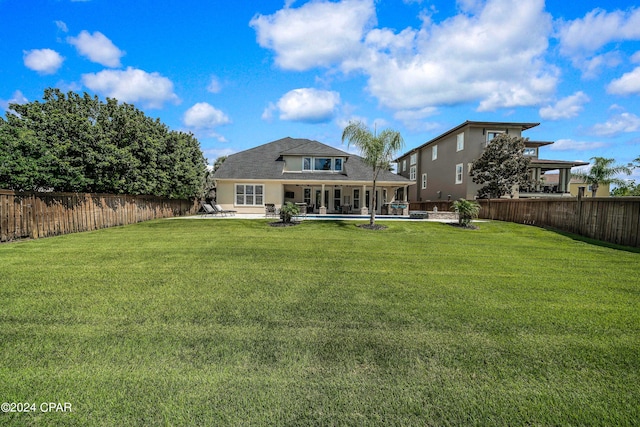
(270, 210)
(208, 209)
(224, 212)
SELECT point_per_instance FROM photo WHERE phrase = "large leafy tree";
(629, 188)
(502, 166)
(72, 142)
(602, 171)
(377, 150)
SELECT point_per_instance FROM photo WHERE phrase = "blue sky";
(240, 74)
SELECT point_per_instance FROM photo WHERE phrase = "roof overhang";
(547, 165)
(488, 125)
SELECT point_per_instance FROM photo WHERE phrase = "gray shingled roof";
(264, 162)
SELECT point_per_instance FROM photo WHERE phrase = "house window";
(460, 142)
(337, 165)
(337, 196)
(530, 152)
(306, 197)
(322, 164)
(434, 152)
(413, 158)
(459, 173)
(404, 165)
(492, 134)
(424, 181)
(249, 194)
(356, 198)
(306, 164)
(412, 173)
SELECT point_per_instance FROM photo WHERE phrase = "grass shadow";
(594, 242)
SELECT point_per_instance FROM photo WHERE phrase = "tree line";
(78, 143)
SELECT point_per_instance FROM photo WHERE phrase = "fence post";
(578, 227)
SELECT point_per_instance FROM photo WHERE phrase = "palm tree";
(602, 172)
(377, 150)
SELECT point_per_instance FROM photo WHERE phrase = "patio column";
(536, 179)
(563, 181)
(363, 204)
(323, 203)
(404, 193)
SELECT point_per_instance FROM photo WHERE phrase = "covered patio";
(347, 199)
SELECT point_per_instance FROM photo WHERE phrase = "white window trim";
(460, 142)
(424, 181)
(310, 164)
(459, 173)
(313, 163)
(434, 152)
(235, 195)
(412, 173)
(404, 165)
(413, 159)
(497, 132)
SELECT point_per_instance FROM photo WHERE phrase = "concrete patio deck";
(328, 217)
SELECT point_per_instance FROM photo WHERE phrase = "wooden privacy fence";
(37, 215)
(610, 219)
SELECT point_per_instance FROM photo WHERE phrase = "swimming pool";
(353, 217)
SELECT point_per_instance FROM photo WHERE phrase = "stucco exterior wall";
(292, 163)
(225, 190)
(441, 172)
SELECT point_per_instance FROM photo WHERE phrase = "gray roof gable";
(265, 162)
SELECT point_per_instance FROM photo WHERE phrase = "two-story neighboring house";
(440, 167)
(323, 178)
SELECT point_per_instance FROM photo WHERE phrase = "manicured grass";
(232, 322)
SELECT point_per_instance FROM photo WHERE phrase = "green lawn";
(233, 322)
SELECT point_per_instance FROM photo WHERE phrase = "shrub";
(288, 211)
(466, 211)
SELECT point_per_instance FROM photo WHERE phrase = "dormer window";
(322, 164)
(530, 151)
(306, 164)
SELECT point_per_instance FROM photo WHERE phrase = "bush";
(288, 211)
(466, 211)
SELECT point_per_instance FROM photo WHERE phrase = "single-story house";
(321, 178)
(550, 181)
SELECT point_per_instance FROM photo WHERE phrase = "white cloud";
(44, 61)
(479, 55)
(582, 39)
(591, 67)
(414, 119)
(204, 116)
(214, 85)
(565, 108)
(621, 123)
(16, 98)
(132, 85)
(306, 105)
(483, 57)
(319, 33)
(628, 84)
(98, 48)
(569, 144)
(598, 28)
(62, 26)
